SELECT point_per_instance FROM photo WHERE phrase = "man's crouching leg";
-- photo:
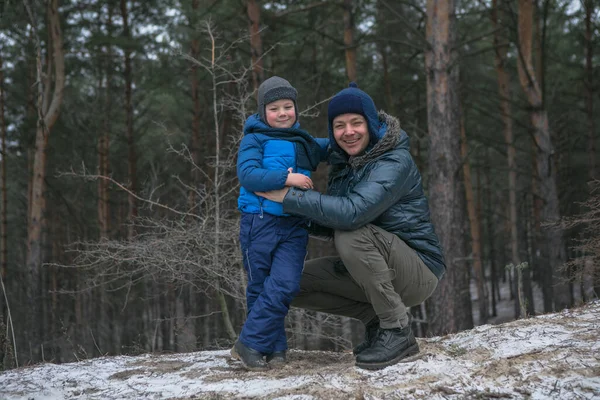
(365, 253)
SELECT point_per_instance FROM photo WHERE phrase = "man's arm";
(250, 172)
(386, 183)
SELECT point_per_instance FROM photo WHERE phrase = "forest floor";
(552, 356)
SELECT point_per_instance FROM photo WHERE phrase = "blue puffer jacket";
(381, 187)
(264, 156)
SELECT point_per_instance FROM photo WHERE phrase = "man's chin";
(353, 151)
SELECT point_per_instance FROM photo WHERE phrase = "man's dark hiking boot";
(390, 346)
(251, 359)
(370, 334)
(277, 358)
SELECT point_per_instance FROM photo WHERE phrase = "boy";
(274, 153)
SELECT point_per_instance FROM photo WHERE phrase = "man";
(389, 257)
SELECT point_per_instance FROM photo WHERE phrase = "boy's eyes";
(287, 108)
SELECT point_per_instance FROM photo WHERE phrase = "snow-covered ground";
(554, 356)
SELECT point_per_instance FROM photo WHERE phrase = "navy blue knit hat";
(352, 100)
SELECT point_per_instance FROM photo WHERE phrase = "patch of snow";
(555, 356)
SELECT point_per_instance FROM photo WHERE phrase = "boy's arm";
(324, 146)
(252, 176)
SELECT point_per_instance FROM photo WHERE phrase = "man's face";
(281, 113)
(351, 133)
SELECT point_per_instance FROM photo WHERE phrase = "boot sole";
(235, 355)
(411, 351)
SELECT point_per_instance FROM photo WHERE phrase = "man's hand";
(298, 180)
(275, 195)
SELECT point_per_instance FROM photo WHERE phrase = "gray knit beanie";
(273, 89)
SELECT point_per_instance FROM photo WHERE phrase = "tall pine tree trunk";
(553, 246)
(501, 48)
(104, 140)
(540, 265)
(48, 110)
(4, 206)
(450, 305)
(474, 225)
(349, 41)
(131, 152)
(504, 94)
(589, 107)
(102, 306)
(589, 87)
(256, 49)
(382, 48)
(489, 207)
(4, 317)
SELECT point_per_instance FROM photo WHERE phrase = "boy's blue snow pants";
(273, 249)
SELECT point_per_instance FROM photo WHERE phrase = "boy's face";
(281, 113)
(351, 133)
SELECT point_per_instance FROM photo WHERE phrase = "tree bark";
(104, 140)
(4, 214)
(589, 87)
(494, 275)
(48, 112)
(474, 226)
(256, 49)
(544, 270)
(501, 49)
(350, 47)
(4, 340)
(383, 50)
(553, 249)
(450, 306)
(131, 153)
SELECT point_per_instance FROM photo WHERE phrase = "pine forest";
(119, 129)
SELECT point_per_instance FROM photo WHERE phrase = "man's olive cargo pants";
(382, 277)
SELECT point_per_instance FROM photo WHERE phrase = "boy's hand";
(298, 180)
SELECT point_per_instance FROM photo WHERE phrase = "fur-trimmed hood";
(390, 136)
